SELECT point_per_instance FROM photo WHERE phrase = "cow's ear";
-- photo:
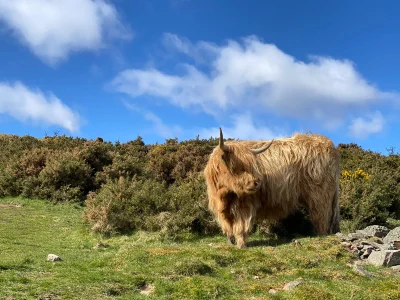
(225, 157)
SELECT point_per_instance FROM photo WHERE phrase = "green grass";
(194, 268)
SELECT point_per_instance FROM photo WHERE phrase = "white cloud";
(158, 126)
(161, 128)
(259, 77)
(201, 52)
(24, 104)
(361, 128)
(243, 128)
(53, 29)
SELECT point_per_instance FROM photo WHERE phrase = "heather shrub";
(123, 205)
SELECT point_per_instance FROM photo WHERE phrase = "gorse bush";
(134, 186)
(125, 204)
(366, 199)
(128, 204)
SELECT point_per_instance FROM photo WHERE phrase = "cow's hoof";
(241, 246)
(231, 240)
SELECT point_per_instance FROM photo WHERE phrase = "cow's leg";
(240, 231)
(241, 240)
(319, 210)
(227, 229)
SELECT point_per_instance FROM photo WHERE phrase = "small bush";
(65, 176)
(124, 204)
(365, 198)
(189, 209)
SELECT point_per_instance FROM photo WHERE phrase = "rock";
(345, 244)
(392, 236)
(341, 236)
(378, 246)
(376, 240)
(272, 291)
(53, 257)
(291, 285)
(256, 277)
(375, 230)
(396, 268)
(367, 250)
(100, 246)
(356, 236)
(360, 269)
(385, 258)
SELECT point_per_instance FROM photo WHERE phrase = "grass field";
(142, 263)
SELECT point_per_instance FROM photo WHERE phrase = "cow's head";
(238, 169)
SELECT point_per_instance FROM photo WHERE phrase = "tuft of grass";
(191, 267)
(194, 267)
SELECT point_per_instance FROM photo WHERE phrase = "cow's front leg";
(241, 240)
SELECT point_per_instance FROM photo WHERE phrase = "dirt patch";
(148, 289)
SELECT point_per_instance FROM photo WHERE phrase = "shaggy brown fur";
(300, 170)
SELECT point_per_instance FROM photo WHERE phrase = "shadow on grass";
(267, 242)
(15, 268)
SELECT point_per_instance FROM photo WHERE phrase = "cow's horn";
(221, 141)
(261, 150)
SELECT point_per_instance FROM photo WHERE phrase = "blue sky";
(179, 68)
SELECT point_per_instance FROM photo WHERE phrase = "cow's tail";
(335, 217)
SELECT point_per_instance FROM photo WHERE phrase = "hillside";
(129, 266)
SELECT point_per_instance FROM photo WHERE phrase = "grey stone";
(341, 236)
(291, 285)
(385, 258)
(366, 253)
(360, 269)
(375, 230)
(356, 236)
(396, 268)
(345, 244)
(392, 236)
(378, 246)
(53, 257)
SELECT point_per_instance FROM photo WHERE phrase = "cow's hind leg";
(320, 211)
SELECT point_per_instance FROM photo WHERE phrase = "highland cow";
(248, 181)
